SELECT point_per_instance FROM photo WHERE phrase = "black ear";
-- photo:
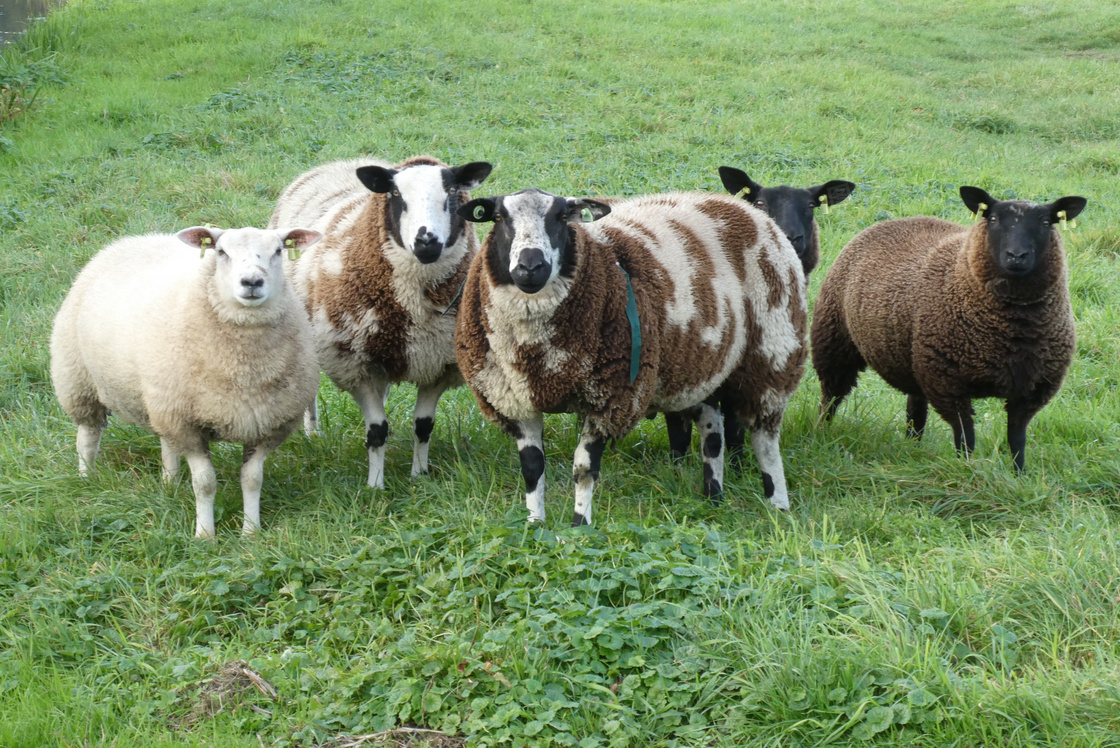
(377, 178)
(585, 211)
(836, 190)
(974, 196)
(469, 176)
(1072, 206)
(736, 180)
(479, 210)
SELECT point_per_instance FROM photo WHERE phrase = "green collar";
(635, 326)
(457, 295)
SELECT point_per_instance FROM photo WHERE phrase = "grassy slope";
(909, 596)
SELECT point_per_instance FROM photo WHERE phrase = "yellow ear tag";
(979, 210)
(204, 244)
(293, 251)
(1066, 225)
(585, 215)
(824, 202)
(745, 192)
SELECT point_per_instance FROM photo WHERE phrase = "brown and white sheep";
(947, 313)
(381, 286)
(194, 350)
(543, 326)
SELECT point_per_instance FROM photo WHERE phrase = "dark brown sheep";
(946, 314)
(543, 325)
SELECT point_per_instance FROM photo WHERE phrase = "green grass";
(910, 597)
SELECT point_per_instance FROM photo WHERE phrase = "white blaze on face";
(426, 204)
(527, 212)
(252, 270)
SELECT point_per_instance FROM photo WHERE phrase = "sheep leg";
(959, 417)
(735, 433)
(530, 449)
(679, 428)
(205, 484)
(917, 410)
(252, 478)
(585, 470)
(835, 357)
(1018, 416)
(88, 443)
(371, 399)
(767, 451)
(311, 417)
(169, 456)
(423, 421)
(710, 425)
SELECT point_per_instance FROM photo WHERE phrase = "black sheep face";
(423, 200)
(1019, 232)
(790, 207)
(531, 243)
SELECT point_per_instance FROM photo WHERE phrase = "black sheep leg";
(917, 411)
(1018, 416)
(679, 428)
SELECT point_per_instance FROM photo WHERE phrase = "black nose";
(256, 282)
(532, 271)
(427, 247)
(798, 242)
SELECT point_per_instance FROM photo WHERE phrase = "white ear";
(200, 237)
(296, 240)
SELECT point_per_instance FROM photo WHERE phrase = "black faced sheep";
(382, 285)
(716, 297)
(946, 314)
(793, 209)
(194, 350)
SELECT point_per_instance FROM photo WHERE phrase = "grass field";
(909, 598)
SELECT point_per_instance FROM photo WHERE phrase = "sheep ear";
(1072, 206)
(299, 238)
(377, 178)
(585, 211)
(200, 237)
(836, 191)
(974, 196)
(479, 210)
(736, 181)
(469, 176)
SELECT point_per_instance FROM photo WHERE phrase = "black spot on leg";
(713, 491)
(595, 455)
(578, 519)
(423, 428)
(712, 445)
(532, 466)
(247, 453)
(377, 435)
(767, 485)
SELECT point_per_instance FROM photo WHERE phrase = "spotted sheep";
(381, 287)
(194, 350)
(794, 210)
(947, 314)
(719, 297)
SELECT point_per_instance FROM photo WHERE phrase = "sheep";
(193, 350)
(717, 297)
(947, 314)
(381, 288)
(792, 208)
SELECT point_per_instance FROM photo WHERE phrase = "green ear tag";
(586, 216)
(979, 210)
(479, 212)
(824, 202)
(293, 251)
(204, 243)
(745, 192)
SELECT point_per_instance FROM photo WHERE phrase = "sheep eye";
(758, 203)
(452, 190)
(396, 193)
(221, 253)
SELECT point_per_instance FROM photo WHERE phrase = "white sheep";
(662, 303)
(193, 349)
(381, 288)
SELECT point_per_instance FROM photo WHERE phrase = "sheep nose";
(253, 282)
(532, 270)
(798, 242)
(426, 247)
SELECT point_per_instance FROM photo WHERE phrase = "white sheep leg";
(371, 399)
(530, 448)
(169, 456)
(423, 421)
(311, 417)
(710, 425)
(252, 478)
(205, 484)
(585, 471)
(89, 442)
(769, 455)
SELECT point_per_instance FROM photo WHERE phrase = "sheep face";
(249, 266)
(531, 243)
(423, 199)
(790, 207)
(1019, 232)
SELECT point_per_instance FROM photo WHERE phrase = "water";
(15, 14)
